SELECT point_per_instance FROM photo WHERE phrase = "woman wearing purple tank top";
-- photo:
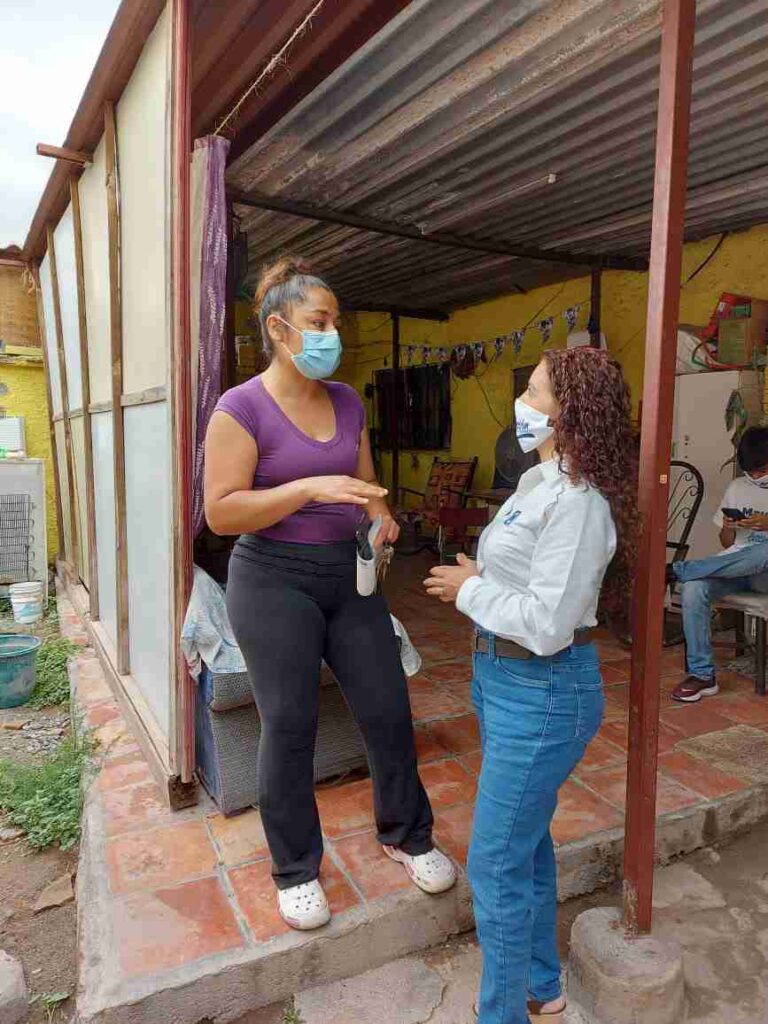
(288, 467)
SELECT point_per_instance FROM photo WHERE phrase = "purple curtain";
(213, 280)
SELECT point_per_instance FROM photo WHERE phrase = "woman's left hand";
(445, 581)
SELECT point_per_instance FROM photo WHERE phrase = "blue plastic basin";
(18, 657)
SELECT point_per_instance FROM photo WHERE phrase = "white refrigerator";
(700, 437)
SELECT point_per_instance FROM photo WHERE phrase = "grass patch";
(291, 1016)
(52, 686)
(46, 800)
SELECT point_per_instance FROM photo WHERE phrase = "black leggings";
(292, 605)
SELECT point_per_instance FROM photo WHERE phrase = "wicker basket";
(228, 730)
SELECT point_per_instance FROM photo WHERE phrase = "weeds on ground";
(291, 1016)
(51, 1001)
(46, 800)
(52, 687)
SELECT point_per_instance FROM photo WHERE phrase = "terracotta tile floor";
(191, 885)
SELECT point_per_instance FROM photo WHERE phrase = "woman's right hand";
(342, 490)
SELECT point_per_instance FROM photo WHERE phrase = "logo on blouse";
(508, 520)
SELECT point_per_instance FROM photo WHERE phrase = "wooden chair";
(447, 487)
(456, 523)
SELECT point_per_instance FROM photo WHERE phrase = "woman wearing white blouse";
(568, 531)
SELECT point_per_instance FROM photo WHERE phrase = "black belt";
(509, 649)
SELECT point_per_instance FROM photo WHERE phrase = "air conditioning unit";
(23, 536)
(12, 434)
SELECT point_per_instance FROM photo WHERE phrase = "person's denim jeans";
(536, 718)
(705, 581)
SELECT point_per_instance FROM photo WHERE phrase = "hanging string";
(271, 65)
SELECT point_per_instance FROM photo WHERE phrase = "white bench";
(756, 606)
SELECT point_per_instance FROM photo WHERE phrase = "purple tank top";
(286, 454)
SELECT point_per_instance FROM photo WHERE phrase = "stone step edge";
(224, 988)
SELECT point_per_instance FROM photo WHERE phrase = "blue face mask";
(320, 352)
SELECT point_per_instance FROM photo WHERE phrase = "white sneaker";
(432, 871)
(304, 907)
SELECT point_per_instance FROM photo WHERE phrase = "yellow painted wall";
(245, 322)
(26, 397)
(481, 408)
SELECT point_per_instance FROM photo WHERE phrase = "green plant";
(51, 1001)
(46, 800)
(52, 685)
(291, 1016)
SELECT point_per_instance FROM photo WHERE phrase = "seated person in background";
(743, 566)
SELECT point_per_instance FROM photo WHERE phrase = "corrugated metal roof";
(232, 40)
(456, 103)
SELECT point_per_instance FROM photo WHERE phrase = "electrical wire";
(484, 393)
(707, 259)
(710, 363)
(370, 330)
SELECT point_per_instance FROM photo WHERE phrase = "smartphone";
(734, 514)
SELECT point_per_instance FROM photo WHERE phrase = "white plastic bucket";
(27, 602)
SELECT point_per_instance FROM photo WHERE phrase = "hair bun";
(280, 272)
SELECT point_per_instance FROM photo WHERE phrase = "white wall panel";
(77, 426)
(93, 215)
(61, 454)
(104, 487)
(143, 135)
(148, 510)
(50, 335)
(64, 241)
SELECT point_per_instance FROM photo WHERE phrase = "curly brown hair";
(597, 444)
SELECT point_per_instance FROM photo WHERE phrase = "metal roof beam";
(381, 227)
(406, 312)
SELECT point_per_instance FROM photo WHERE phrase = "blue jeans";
(705, 581)
(536, 718)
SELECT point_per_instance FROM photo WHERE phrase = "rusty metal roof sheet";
(445, 116)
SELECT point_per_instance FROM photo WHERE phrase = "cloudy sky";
(47, 51)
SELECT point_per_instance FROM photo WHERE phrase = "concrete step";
(438, 987)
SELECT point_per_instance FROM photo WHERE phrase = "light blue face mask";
(320, 352)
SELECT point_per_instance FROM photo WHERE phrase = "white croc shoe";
(304, 907)
(433, 872)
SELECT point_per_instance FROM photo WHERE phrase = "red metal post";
(677, 32)
(181, 386)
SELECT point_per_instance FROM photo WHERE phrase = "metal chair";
(685, 495)
(755, 606)
(686, 492)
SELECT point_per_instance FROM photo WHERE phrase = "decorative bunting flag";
(571, 315)
(545, 326)
(478, 349)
